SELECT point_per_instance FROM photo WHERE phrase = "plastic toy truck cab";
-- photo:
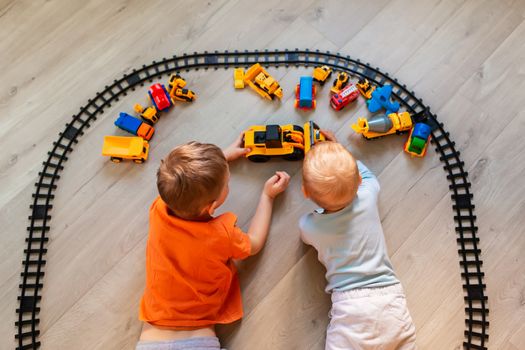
(268, 141)
(121, 147)
(322, 74)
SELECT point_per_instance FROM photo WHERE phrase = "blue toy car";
(305, 94)
(134, 126)
(381, 99)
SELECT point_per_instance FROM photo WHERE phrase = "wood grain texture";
(466, 59)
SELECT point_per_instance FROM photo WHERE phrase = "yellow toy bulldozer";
(262, 82)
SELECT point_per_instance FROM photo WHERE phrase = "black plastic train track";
(476, 323)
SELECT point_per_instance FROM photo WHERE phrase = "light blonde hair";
(191, 177)
(330, 175)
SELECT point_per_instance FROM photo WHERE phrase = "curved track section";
(476, 323)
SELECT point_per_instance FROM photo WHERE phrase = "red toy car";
(344, 97)
(160, 97)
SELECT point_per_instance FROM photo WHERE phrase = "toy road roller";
(382, 125)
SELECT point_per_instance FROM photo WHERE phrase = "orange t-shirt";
(190, 276)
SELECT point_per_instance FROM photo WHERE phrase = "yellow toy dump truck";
(121, 147)
(262, 82)
(289, 142)
(382, 125)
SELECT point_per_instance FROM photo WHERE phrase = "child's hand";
(276, 184)
(236, 150)
(329, 135)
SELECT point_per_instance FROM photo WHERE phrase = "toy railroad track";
(476, 333)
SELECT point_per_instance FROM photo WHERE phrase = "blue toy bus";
(305, 94)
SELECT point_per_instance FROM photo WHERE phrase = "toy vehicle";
(365, 88)
(122, 147)
(149, 115)
(322, 74)
(289, 141)
(176, 86)
(305, 94)
(259, 80)
(134, 126)
(238, 78)
(313, 135)
(418, 139)
(381, 99)
(159, 97)
(348, 94)
(382, 125)
(340, 82)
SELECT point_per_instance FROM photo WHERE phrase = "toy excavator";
(262, 82)
(290, 142)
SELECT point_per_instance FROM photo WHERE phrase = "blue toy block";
(128, 123)
(421, 130)
(305, 92)
(381, 99)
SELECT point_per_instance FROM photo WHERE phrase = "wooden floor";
(466, 59)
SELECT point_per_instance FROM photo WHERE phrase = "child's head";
(193, 180)
(330, 176)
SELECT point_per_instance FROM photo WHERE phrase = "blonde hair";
(191, 177)
(330, 175)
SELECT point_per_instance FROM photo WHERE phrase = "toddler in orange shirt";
(191, 280)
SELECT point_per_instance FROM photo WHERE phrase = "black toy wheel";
(258, 158)
(139, 161)
(297, 154)
(115, 159)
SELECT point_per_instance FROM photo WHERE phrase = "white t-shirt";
(350, 242)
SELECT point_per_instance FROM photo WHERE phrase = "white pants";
(370, 318)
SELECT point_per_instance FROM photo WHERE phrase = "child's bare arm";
(260, 224)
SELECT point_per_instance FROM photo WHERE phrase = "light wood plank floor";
(466, 59)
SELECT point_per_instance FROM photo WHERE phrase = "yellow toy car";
(340, 82)
(150, 115)
(382, 125)
(365, 88)
(122, 147)
(322, 74)
(262, 82)
(238, 78)
(289, 142)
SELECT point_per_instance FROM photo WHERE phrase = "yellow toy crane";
(262, 82)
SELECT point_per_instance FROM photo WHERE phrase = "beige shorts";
(370, 318)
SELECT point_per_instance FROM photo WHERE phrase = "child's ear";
(305, 194)
(211, 208)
